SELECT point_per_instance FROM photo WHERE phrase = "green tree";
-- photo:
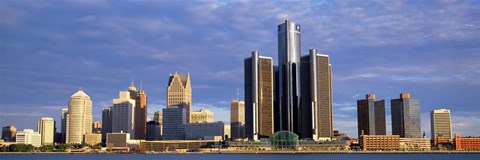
(21, 148)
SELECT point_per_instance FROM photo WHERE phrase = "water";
(241, 156)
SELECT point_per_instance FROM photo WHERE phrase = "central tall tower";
(289, 75)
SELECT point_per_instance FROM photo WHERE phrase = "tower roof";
(80, 93)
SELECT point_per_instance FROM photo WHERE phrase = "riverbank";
(269, 152)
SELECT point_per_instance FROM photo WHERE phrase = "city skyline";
(431, 64)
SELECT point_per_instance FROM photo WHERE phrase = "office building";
(140, 116)
(157, 117)
(441, 124)
(227, 131)
(202, 115)
(237, 119)
(9, 133)
(179, 93)
(118, 141)
(64, 124)
(106, 122)
(415, 144)
(371, 116)
(406, 117)
(97, 127)
(123, 113)
(289, 52)
(204, 131)
(28, 136)
(380, 142)
(154, 131)
(316, 111)
(46, 128)
(79, 117)
(174, 119)
(466, 143)
(258, 96)
(92, 138)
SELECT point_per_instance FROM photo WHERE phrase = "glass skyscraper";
(406, 117)
(289, 53)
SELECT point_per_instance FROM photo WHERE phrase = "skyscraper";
(259, 96)
(123, 113)
(237, 119)
(140, 117)
(46, 128)
(316, 109)
(9, 133)
(289, 53)
(371, 116)
(157, 117)
(64, 124)
(79, 117)
(441, 123)
(179, 93)
(106, 122)
(406, 117)
(174, 119)
(202, 115)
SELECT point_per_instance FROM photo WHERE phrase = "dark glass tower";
(371, 116)
(289, 75)
(406, 117)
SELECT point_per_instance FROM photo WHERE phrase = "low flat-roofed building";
(380, 142)
(92, 138)
(415, 144)
(465, 143)
(324, 145)
(204, 131)
(28, 136)
(118, 141)
(249, 145)
(173, 145)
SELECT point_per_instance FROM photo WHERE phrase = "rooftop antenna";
(80, 88)
(141, 85)
(132, 83)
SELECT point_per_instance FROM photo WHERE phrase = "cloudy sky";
(49, 49)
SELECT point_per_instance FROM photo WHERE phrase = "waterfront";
(239, 156)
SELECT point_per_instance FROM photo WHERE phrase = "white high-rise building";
(46, 128)
(28, 136)
(79, 117)
(441, 123)
(123, 112)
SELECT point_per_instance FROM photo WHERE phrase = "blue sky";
(50, 48)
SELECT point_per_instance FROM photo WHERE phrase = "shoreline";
(270, 152)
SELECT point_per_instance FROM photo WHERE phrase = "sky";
(49, 49)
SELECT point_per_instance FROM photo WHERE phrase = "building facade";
(289, 53)
(259, 96)
(64, 124)
(371, 116)
(179, 93)
(237, 119)
(466, 143)
(140, 113)
(441, 124)
(415, 144)
(97, 127)
(174, 119)
(316, 110)
(46, 128)
(93, 138)
(79, 117)
(380, 142)
(406, 117)
(28, 136)
(9, 133)
(106, 122)
(154, 131)
(204, 131)
(157, 117)
(123, 113)
(202, 115)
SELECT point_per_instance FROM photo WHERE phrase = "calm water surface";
(242, 156)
